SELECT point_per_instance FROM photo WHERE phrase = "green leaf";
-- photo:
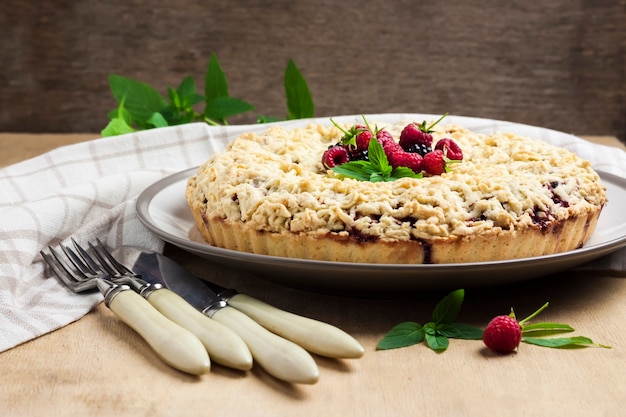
(377, 156)
(187, 93)
(175, 101)
(223, 107)
(402, 335)
(545, 329)
(460, 331)
(116, 127)
(360, 170)
(140, 100)
(157, 120)
(299, 100)
(437, 341)
(268, 119)
(404, 172)
(119, 123)
(563, 342)
(448, 308)
(187, 87)
(215, 85)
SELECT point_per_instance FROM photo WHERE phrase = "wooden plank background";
(554, 63)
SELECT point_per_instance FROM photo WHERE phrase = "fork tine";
(68, 275)
(103, 261)
(78, 263)
(103, 252)
(87, 259)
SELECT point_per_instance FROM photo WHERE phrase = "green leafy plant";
(444, 326)
(437, 332)
(141, 106)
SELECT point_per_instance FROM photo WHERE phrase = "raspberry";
(362, 137)
(434, 162)
(450, 148)
(413, 161)
(383, 136)
(502, 334)
(335, 155)
(412, 134)
(389, 145)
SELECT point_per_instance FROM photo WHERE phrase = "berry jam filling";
(542, 219)
(555, 197)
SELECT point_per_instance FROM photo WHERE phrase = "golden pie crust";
(511, 197)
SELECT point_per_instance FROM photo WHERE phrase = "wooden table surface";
(98, 366)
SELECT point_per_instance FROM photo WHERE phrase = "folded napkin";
(88, 191)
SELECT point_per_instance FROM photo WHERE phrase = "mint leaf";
(545, 329)
(187, 93)
(140, 100)
(218, 104)
(402, 335)
(157, 120)
(117, 126)
(223, 107)
(377, 157)
(359, 170)
(119, 123)
(267, 119)
(215, 85)
(436, 341)
(299, 100)
(460, 331)
(563, 342)
(404, 172)
(448, 308)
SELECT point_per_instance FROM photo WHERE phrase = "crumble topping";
(275, 182)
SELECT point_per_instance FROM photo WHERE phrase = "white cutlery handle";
(224, 345)
(172, 343)
(279, 357)
(313, 335)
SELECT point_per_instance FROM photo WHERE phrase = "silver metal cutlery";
(189, 321)
(174, 344)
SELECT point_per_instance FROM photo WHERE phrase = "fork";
(175, 345)
(223, 344)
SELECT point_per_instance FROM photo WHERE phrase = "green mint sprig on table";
(444, 326)
(437, 332)
(141, 107)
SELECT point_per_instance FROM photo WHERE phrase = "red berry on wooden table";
(502, 334)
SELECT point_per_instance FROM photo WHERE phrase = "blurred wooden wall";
(554, 63)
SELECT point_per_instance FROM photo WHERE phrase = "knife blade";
(280, 357)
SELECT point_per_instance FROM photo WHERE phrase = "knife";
(313, 335)
(280, 357)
